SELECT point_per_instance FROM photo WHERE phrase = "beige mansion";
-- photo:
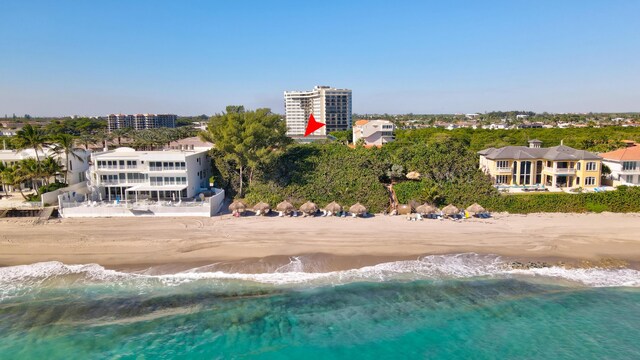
(557, 166)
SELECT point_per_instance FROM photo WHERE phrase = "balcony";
(117, 167)
(562, 171)
(503, 170)
(123, 182)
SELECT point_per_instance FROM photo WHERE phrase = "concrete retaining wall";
(51, 197)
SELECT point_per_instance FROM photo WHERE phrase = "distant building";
(624, 164)
(557, 166)
(140, 121)
(328, 105)
(373, 132)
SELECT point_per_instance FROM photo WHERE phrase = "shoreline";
(262, 244)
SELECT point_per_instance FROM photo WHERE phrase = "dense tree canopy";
(247, 139)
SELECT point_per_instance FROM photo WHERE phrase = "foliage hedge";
(322, 174)
(624, 199)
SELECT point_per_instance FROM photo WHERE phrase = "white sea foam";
(18, 279)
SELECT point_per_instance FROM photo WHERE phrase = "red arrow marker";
(312, 125)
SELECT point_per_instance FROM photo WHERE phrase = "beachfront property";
(75, 167)
(555, 167)
(126, 182)
(328, 105)
(373, 132)
(125, 173)
(624, 164)
(140, 121)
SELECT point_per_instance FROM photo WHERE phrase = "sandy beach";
(143, 242)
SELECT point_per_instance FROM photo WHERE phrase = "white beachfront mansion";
(126, 174)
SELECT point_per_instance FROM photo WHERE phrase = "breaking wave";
(16, 280)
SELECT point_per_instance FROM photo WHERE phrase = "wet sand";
(265, 243)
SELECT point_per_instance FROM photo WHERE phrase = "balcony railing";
(117, 167)
(503, 169)
(167, 168)
(560, 170)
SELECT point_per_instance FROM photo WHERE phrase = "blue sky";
(193, 57)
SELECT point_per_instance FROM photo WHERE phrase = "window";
(578, 179)
(628, 165)
(590, 180)
(155, 181)
(628, 179)
(502, 179)
(591, 166)
(503, 164)
(578, 166)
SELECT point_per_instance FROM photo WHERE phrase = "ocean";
(463, 306)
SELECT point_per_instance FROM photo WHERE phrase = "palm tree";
(86, 139)
(30, 137)
(3, 181)
(29, 169)
(65, 144)
(122, 133)
(13, 177)
(103, 136)
(49, 168)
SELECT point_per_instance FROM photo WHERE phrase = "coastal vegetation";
(246, 140)
(446, 162)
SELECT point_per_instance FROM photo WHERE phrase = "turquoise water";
(94, 313)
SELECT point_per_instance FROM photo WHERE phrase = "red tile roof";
(631, 153)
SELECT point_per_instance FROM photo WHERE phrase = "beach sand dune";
(142, 242)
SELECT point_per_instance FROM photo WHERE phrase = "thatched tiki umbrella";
(332, 208)
(237, 207)
(357, 209)
(426, 209)
(404, 209)
(476, 209)
(285, 208)
(413, 175)
(450, 210)
(308, 208)
(261, 208)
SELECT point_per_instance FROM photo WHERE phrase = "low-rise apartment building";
(373, 132)
(624, 165)
(557, 166)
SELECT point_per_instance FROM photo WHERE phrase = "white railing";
(560, 170)
(503, 169)
(132, 204)
(117, 167)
